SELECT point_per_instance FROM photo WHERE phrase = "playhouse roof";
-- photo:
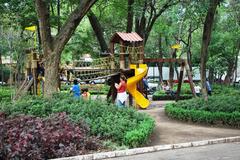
(126, 37)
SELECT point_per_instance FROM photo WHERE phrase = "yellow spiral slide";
(132, 85)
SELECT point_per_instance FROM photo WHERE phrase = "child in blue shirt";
(76, 89)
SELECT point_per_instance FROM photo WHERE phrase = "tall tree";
(160, 65)
(58, 15)
(53, 46)
(207, 30)
(98, 30)
(130, 16)
(149, 14)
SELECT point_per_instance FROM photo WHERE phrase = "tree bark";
(232, 65)
(58, 14)
(53, 46)
(1, 67)
(207, 30)
(236, 59)
(230, 72)
(211, 75)
(171, 69)
(189, 53)
(97, 28)
(160, 65)
(130, 16)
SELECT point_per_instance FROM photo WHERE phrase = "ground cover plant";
(225, 90)
(123, 126)
(5, 93)
(29, 137)
(222, 108)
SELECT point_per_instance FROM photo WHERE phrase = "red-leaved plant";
(27, 137)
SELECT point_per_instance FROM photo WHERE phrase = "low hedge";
(138, 136)
(169, 97)
(203, 114)
(216, 103)
(186, 93)
(124, 126)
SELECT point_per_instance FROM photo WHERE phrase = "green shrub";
(218, 103)
(225, 90)
(5, 72)
(5, 94)
(202, 116)
(139, 135)
(221, 108)
(105, 120)
(185, 88)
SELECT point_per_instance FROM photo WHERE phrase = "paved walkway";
(226, 151)
(169, 131)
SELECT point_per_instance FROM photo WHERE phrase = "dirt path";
(170, 131)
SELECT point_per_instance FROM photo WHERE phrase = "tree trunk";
(1, 67)
(58, 14)
(232, 66)
(51, 83)
(97, 28)
(53, 46)
(150, 13)
(160, 65)
(211, 75)
(207, 30)
(171, 74)
(39, 38)
(189, 53)
(230, 73)
(171, 69)
(130, 16)
(236, 59)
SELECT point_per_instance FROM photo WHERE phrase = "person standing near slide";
(121, 91)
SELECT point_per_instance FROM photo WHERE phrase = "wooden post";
(189, 74)
(171, 74)
(141, 56)
(28, 65)
(121, 56)
(112, 55)
(34, 71)
(130, 98)
(180, 81)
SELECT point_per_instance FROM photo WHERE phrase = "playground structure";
(129, 61)
(184, 66)
(131, 65)
(34, 74)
